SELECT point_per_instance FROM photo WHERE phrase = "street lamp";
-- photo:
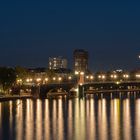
(81, 73)
(102, 77)
(69, 77)
(38, 79)
(126, 76)
(59, 79)
(138, 76)
(114, 76)
(87, 77)
(91, 77)
(19, 81)
(81, 79)
(99, 76)
(54, 78)
(29, 80)
(46, 79)
(76, 72)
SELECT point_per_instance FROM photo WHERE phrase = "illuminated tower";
(80, 60)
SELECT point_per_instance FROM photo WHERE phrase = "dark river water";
(70, 119)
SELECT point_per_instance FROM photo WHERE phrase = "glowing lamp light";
(81, 84)
(125, 76)
(54, 78)
(46, 79)
(38, 79)
(59, 79)
(19, 80)
(91, 77)
(87, 77)
(81, 73)
(111, 76)
(117, 82)
(137, 75)
(76, 72)
(27, 80)
(114, 76)
(103, 77)
(69, 77)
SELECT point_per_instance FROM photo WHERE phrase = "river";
(70, 119)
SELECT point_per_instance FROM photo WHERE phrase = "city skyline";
(69, 70)
(30, 33)
(70, 63)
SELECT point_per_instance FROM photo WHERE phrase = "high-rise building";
(57, 62)
(80, 60)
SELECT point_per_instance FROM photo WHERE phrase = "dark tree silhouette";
(7, 78)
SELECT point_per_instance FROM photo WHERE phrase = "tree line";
(9, 76)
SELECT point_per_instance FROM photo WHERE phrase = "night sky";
(32, 31)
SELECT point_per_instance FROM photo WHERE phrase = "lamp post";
(102, 77)
(114, 76)
(81, 80)
(80, 75)
(38, 80)
(91, 78)
(59, 79)
(46, 80)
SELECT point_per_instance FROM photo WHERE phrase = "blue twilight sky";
(31, 31)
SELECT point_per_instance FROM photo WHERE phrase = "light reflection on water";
(115, 119)
(102, 120)
(18, 118)
(126, 119)
(71, 119)
(137, 119)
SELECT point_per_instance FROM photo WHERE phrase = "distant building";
(57, 63)
(80, 60)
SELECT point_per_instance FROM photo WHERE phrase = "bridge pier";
(81, 93)
(134, 94)
(111, 95)
(120, 95)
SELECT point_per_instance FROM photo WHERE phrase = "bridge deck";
(109, 91)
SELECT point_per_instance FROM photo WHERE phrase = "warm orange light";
(81, 73)
(60, 79)
(91, 77)
(46, 79)
(69, 77)
(54, 78)
(38, 79)
(126, 76)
